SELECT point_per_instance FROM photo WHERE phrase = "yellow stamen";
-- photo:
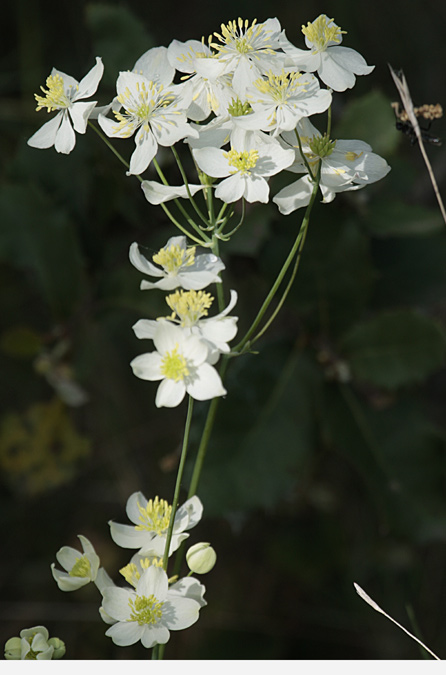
(189, 306)
(242, 161)
(174, 257)
(320, 33)
(174, 365)
(55, 97)
(81, 568)
(145, 610)
(155, 516)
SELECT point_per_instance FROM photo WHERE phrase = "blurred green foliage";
(327, 463)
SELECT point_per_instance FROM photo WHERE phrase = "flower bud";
(59, 647)
(201, 558)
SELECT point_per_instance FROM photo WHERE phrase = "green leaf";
(395, 349)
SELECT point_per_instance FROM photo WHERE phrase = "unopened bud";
(201, 558)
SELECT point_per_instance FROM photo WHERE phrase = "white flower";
(34, 644)
(180, 267)
(246, 169)
(335, 65)
(151, 521)
(280, 101)
(248, 50)
(345, 165)
(209, 88)
(156, 114)
(149, 612)
(188, 309)
(65, 94)
(180, 362)
(80, 568)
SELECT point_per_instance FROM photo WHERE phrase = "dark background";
(313, 480)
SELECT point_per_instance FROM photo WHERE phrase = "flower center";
(175, 257)
(321, 146)
(189, 306)
(242, 161)
(155, 516)
(55, 96)
(174, 365)
(81, 568)
(141, 106)
(145, 610)
(132, 573)
(322, 32)
(237, 109)
(280, 87)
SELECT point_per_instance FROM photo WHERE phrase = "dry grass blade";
(406, 100)
(362, 594)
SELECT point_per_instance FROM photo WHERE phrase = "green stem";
(201, 242)
(302, 154)
(180, 472)
(280, 276)
(186, 183)
(303, 232)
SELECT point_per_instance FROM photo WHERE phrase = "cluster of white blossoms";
(152, 604)
(187, 342)
(241, 100)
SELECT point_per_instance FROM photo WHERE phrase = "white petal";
(145, 151)
(231, 189)
(180, 612)
(155, 66)
(189, 514)
(170, 394)
(157, 193)
(133, 510)
(153, 581)
(45, 137)
(350, 60)
(147, 366)
(154, 635)
(207, 385)
(294, 196)
(80, 113)
(335, 75)
(145, 328)
(65, 137)
(89, 84)
(127, 537)
(125, 633)
(66, 582)
(141, 263)
(212, 161)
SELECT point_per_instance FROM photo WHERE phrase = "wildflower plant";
(241, 107)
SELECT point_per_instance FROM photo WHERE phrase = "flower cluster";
(152, 604)
(187, 342)
(241, 101)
